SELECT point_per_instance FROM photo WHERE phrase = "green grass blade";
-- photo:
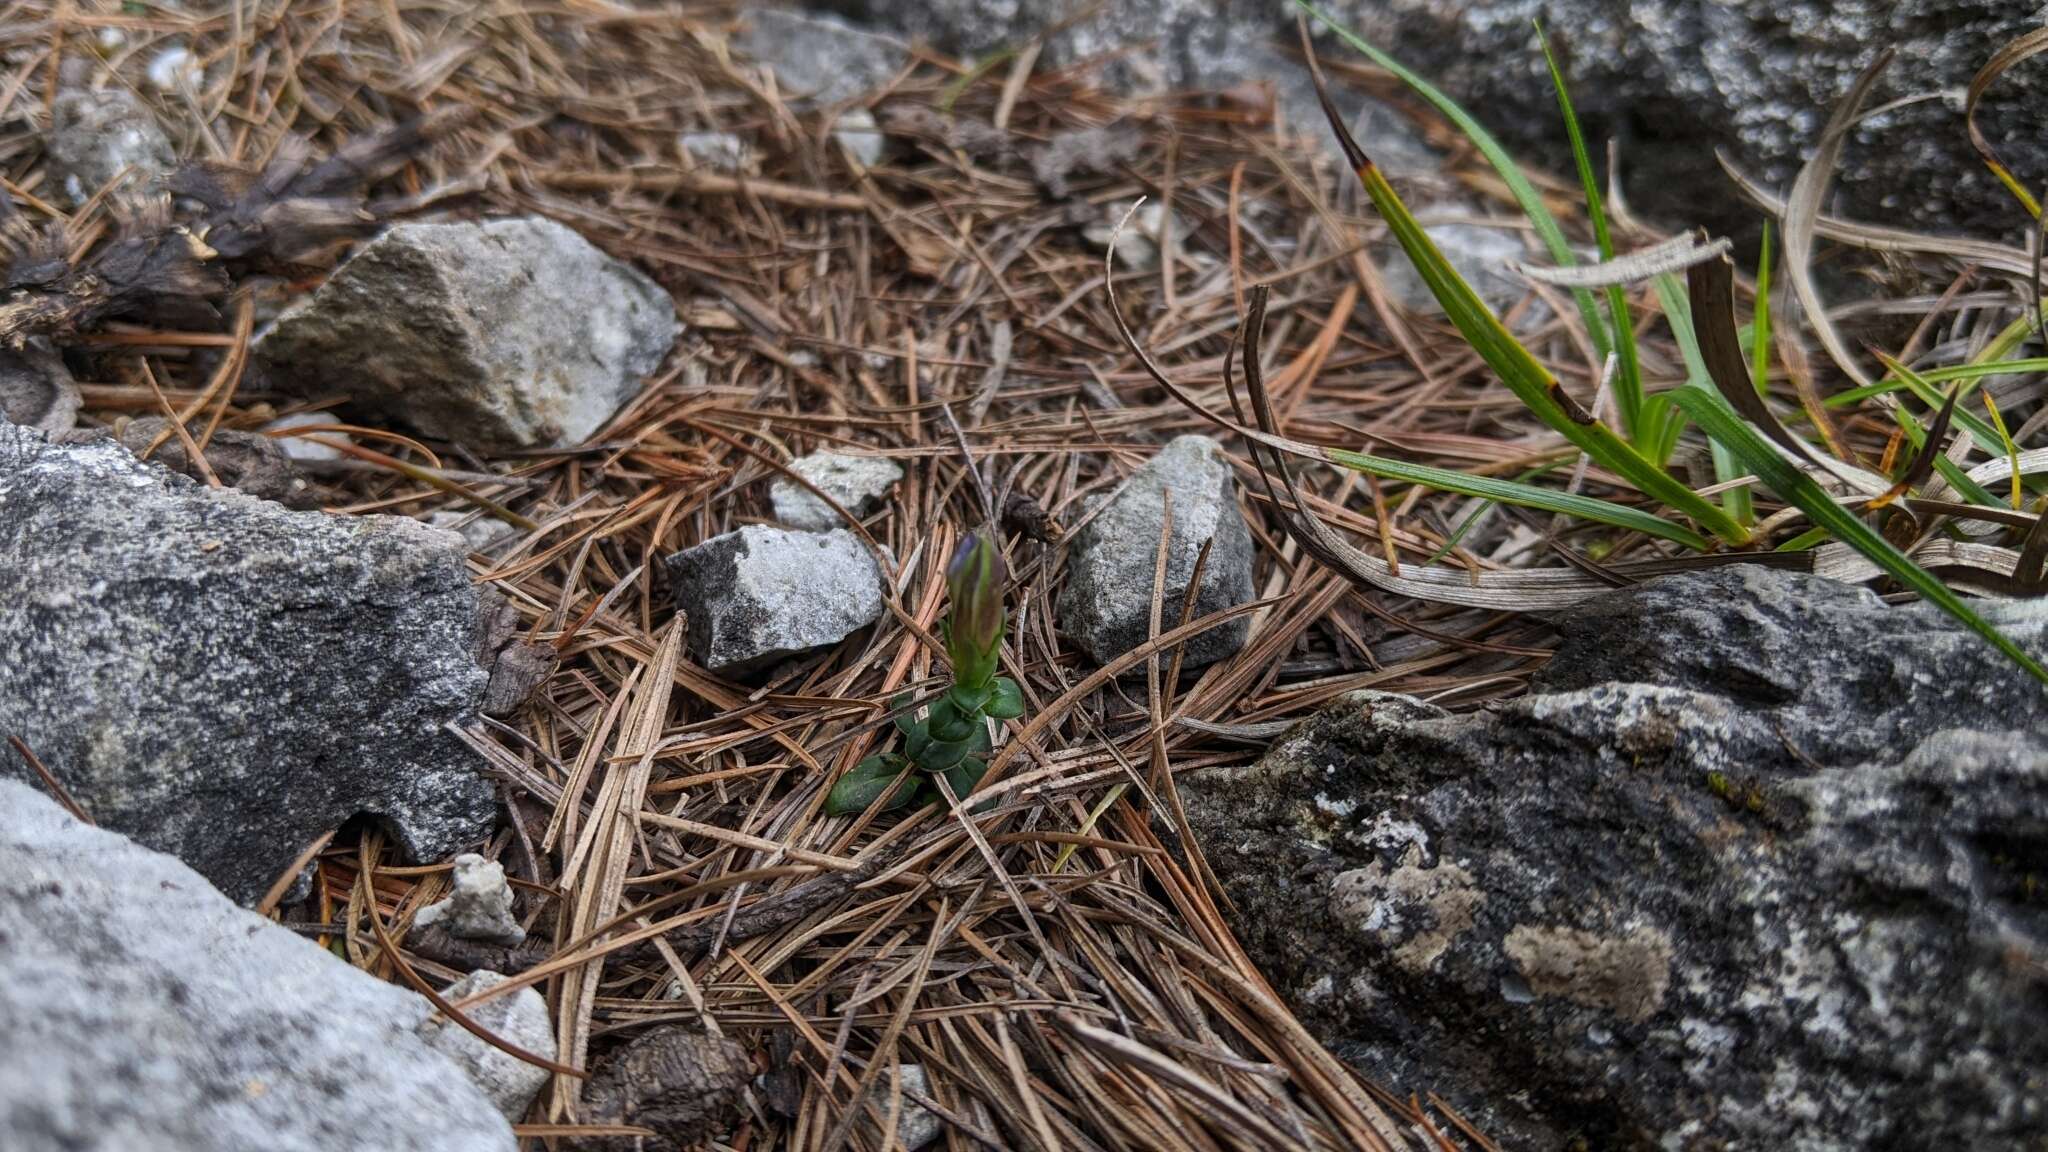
(1530, 381)
(1939, 376)
(1799, 489)
(1525, 194)
(1677, 304)
(1924, 390)
(1628, 375)
(1525, 495)
(1972, 491)
(1760, 321)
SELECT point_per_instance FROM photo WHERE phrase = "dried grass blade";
(2020, 48)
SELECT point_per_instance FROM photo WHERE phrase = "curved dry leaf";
(2031, 44)
(1802, 214)
(1673, 255)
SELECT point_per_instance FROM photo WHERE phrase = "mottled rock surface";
(37, 390)
(1755, 864)
(96, 136)
(505, 334)
(520, 1018)
(760, 594)
(223, 678)
(248, 461)
(1673, 80)
(139, 1008)
(478, 905)
(819, 55)
(1107, 605)
(858, 483)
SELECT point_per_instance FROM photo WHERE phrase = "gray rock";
(1481, 255)
(304, 448)
(720, 152)
(506, 334)
(36, 389)
(916, 1126)
(858, 483)
(520, 1018)
(820, 56)
(225, 679)
(139, 1008)
(1107, 605)
(758, 595)
(857, 131)
(1752, 866)
(248, 461)
(96, 136)
(478, 906)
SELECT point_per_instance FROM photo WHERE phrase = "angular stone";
(36, 389)
(96, 136)
(306, 448)
(856, 129)
(247, 461)
(139, 1008)
(721, 152)
(1751, 866)
(226, 679)
(506, 334)
(520, 1018)
(819, 55)
(858, 483)
(479, 906)
(759, 595)
(1107, 605)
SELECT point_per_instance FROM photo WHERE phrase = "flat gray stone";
(858, 483)
(721, 152)
(759, 595)
(818, 55)
(504, 335)
(1752, 866)
(139, 1008)
(226, 679)
(520, 1018)
(478, 906)
(1107, 605)
(1481, 255)
(96, 136)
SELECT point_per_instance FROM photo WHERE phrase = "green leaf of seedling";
(1525, 495)
(1524, 375)
(867, 781)
(940, 755)
(969, 700)
(1797, 488)
(1628, 376)
(1005, 700)
(917, 740)
(1518, 184)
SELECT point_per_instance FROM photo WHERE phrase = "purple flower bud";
(974, 630)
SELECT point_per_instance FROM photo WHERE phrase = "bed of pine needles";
(1061, 965)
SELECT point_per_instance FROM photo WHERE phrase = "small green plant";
(952, 738)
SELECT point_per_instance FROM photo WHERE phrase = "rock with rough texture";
(759, 595)
(820, 56)
(139, 1008)
(307, 447)
(478, 906)
(1481, 255)
(36, 389)
(248, 461)
(97, 136)
(720, 152)
(1107, 605)
(225, 679)
(916, 1126)
(1672, 80)
(858, 483)
(1755, 864)
(506, 334)
(520, 1017)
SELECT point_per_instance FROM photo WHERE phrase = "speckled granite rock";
(1755, 864)
(36, 389)
(223, 678)
(760, 594)
(96, 136)
(1107, 604)
(505, 334)
(139, 1008)
(858, 483)
(521, 1018)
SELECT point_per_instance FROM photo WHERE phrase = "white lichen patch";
(1417, 913)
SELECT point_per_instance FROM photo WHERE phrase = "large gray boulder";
(506, 334)
(1112, 560)
(759, 595)
(225, 679)
(1754, 865)
(139, 1008)
(1672, 79)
